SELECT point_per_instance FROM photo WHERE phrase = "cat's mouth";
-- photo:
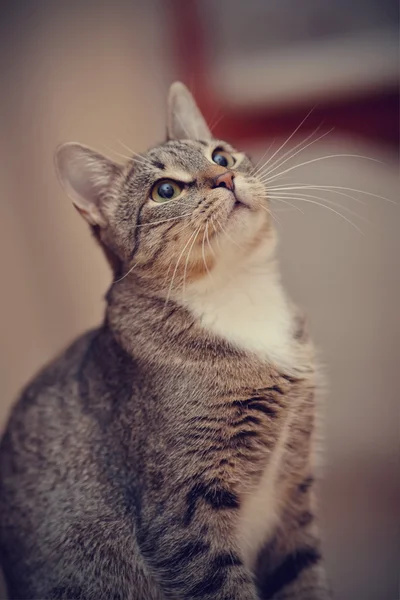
(238, 202)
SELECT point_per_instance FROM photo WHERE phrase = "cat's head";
(186, 208)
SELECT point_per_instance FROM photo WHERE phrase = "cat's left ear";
(87, 177)
(185, 121)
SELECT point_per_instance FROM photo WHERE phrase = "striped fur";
(169, 454)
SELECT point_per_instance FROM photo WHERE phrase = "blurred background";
(98, 73)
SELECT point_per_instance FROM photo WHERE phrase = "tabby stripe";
(273, 388)
(211, 584)
(214, 494)
(253, 404)
(186, 553)
(244, 435)
(157, 224)
(65, 591)
(226, 559)
(158, 164)
(288, 571)
(305, 485)
(204, 429)
(305, 518)
(248, 419)
(208, 419)
(213, 448)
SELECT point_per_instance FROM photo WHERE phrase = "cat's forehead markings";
(178, 174)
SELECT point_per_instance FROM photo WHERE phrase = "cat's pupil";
(220, 159)
(166, 190)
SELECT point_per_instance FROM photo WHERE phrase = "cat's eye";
(223, 158)
(166, 190)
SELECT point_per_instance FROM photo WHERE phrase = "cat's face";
(183, 209)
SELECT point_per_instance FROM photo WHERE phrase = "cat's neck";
(239, 303)
(247, 307)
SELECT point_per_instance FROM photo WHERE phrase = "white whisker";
(313, 160)
(177, 265)
(332, 187)
(163, 221)
(332, 210)
(299, 196)
(217, 232)
(279, 163)
(187, 260)
(290, 137)
(289, 203)
(115, 152)
(271, 214)
(126, 274)
(203, 253)
(292, 152)
(229, 237)
(208, 241)
(133, 153)
(255, 169)
(215, 123)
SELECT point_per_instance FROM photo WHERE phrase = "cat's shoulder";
(53, 391)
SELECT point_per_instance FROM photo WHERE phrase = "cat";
(169, 454)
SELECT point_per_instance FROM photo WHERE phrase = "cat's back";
(47, 434)
(50, 400)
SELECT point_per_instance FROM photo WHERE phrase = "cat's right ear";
(86, 177)
(185, 121)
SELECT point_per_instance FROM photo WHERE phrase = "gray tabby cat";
(169, 454)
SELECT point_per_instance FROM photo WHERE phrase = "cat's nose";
(225, 180)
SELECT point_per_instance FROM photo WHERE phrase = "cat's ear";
(86, 176)
(185, 121)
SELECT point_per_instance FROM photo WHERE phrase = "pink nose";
(225, 180)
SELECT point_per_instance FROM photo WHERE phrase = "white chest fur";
(249, 309)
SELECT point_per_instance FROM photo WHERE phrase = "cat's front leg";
(191, 547)
(291, 566)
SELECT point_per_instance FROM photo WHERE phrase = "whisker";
(212, 119)
(135, 265)
(290, 136)
(332, 210)
(133, 153)
(183, 228)
(313, 160)
(290, 150)
(229, 237)
(291, 153)
(187, 261)
(334, 187)
(289, 203)
(318, 189)
(216, 122)
(115, 152)
(203, 252)
(255, 169)
(126, 274)
(163, 221)
(279, 163)
(331, 202)
(271, 214)
(217, 236)
(176, 266)
(208, 241)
